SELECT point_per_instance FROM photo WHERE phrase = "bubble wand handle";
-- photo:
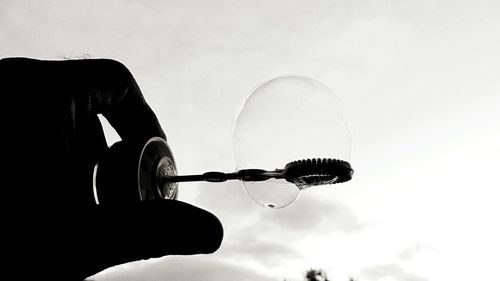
(246, 175)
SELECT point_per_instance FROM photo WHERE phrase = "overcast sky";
(420, 89)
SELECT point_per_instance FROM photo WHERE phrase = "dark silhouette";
(316, 275)
(52, 138)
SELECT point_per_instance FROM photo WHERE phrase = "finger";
(149, 230)
(114, 92)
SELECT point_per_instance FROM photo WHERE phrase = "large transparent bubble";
(283, 120)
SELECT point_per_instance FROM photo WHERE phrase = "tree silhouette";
(316, 275)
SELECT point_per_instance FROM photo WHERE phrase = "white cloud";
(309, 215)
(411, 252)
(192, 268)
(394, 271)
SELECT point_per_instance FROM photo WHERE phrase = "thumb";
(149, 229)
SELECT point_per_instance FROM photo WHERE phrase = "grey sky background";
(420, 89)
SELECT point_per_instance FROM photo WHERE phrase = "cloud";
(267, 253)
(309, 215)
(392, 270)
(269, 237)
(192, 268)
(413, 251)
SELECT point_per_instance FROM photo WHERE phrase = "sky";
(419, 88)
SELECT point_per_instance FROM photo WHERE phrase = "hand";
(54, 139)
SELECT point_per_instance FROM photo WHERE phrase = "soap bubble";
(283, 120)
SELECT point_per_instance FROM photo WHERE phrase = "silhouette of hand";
(53, 141)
